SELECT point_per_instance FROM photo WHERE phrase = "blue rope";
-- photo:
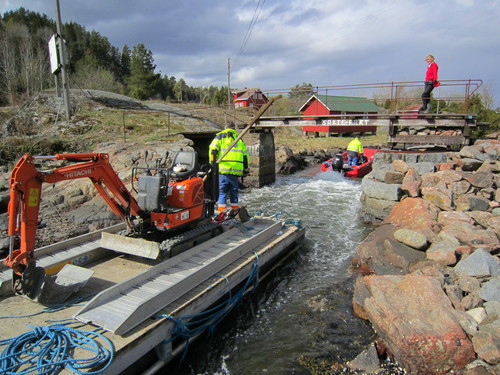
(277, 216)
(49, 349)
(186, 327)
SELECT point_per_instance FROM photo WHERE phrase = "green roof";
(348, 103)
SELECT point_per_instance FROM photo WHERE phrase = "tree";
(124, 64)
(88, 74)
(143, 79)
(301, 91)
(180, 88)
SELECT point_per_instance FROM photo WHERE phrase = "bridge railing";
(394, 95)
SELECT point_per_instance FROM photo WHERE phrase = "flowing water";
(303, 311)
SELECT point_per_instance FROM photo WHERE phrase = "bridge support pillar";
(262, 161)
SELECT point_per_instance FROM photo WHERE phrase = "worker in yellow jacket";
(232, 166)
(354, 151)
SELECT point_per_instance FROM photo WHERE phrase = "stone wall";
(382, 187)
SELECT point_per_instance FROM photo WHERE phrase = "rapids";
(303, 311)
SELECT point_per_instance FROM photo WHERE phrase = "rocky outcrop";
(430, 283)
(288, 162)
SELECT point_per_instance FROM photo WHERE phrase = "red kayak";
(339, 163)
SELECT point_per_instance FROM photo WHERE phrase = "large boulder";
(413, 213)
(416, 320)
(381, 253)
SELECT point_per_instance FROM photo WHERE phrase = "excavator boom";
(24, 205)
(169, 200)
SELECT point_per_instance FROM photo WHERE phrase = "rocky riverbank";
(430, 271)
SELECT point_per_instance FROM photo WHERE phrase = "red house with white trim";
(321, 106)
(249, 98)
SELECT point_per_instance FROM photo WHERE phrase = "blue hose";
(49, 349)
(186, 327)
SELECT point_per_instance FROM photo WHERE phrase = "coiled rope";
(186, 327)
(50, 349)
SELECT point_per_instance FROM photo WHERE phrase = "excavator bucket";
(53, 290)
(129, 245)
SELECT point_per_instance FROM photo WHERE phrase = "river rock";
(480, 264)
(411, 238)
(471, 235)
(487, 341)
(479, 314)
(480, 180)
(441, 198)
(400, 166)
(393, 177)
(413, 213)
(413, 316)
(492, 308)
(411, 183)
(490, 291)
(380, 253)
(448, 217)
(443, 252)
(490, 166)
(379, 190)
(469, 164)
(473, 153)
(367, 361)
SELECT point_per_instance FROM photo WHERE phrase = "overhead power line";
(255, 18)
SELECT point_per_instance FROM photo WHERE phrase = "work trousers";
(426, 95)
(228, 187)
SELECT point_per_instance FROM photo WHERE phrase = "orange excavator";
(170, 199)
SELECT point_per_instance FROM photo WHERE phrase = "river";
(303, 312)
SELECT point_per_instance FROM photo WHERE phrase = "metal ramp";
(79, 251)
(125, 305)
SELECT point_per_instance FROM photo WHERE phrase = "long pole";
(228, 83)
(254, 120)
(62, 56)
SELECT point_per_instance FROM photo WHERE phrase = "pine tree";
(143, 80)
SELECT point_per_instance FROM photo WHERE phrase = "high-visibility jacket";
(355, 146)
(236, 160)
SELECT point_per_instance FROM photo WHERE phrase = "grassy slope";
(94, 123)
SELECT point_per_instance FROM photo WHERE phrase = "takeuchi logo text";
(83, 172)
(344, 122)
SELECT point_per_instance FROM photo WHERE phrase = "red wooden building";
(338, 106)
(319, 105)
(249, 98)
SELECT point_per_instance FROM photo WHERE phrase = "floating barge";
(137, 301)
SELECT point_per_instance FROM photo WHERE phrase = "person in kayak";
(354, 152)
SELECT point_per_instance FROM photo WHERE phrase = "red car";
(339, 163)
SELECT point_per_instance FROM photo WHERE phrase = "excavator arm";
(26, 186)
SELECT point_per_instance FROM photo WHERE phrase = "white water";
(270, 332)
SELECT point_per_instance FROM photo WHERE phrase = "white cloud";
(322, 42)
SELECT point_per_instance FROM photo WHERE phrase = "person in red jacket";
(431, 81)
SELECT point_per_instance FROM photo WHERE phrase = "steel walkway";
(125, 305)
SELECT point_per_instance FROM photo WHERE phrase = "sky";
(278, 44)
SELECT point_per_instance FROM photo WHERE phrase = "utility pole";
(62, 56)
